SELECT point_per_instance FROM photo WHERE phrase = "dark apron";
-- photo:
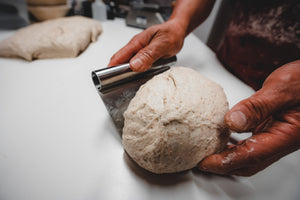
(254, 37)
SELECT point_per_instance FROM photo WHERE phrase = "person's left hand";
(272, 114)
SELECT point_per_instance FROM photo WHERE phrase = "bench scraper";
(117, 86)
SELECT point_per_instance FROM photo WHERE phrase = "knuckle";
(134, 45)
(286, 77)
(257, 108)
(253, 159)
(136, 42)
(147, 54)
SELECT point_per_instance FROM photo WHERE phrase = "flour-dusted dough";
(175, 120)
(58, 38)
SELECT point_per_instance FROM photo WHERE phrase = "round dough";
(175, 120)
(58, 38)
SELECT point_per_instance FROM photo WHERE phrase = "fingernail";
(238, 120)
(136, 64)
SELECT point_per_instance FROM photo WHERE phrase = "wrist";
(191, 13)
(179, 25)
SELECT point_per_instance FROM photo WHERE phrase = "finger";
(147, 56)
(255, 151)
(137, 43)
(122, 56)
(249, 171)
(276, 94)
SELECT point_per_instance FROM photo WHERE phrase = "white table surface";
(57, 142)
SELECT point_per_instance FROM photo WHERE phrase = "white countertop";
(57, 141)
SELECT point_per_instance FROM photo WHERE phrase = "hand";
(163, 40)
(159, 41)
(273, 116)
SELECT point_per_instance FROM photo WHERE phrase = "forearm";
(191, 13)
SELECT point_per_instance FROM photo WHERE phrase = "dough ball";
(57, 38)
(174, 121)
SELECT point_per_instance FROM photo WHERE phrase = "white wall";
(202, 32)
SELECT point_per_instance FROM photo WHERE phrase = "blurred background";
(15, 14)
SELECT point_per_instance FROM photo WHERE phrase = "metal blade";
(118, 85)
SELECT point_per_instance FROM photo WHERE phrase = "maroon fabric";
(261, 36)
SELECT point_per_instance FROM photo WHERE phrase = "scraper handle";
(107, 78)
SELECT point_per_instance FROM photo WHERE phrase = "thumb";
(249, 113)
(280, 91)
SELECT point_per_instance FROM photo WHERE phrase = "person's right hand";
(158, 41)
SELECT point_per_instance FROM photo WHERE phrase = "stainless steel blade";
(117, 86)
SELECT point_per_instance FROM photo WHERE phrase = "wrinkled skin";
(272, 114)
